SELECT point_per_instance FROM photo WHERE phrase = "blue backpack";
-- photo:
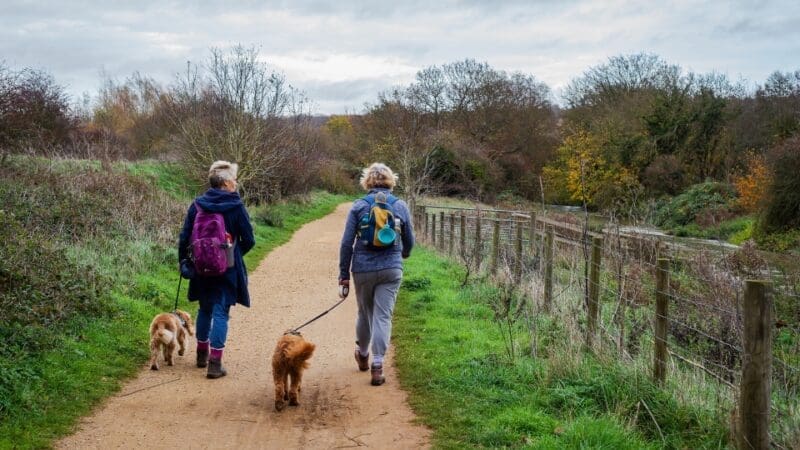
(376, 229)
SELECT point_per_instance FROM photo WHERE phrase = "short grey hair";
(378, 175)
(222, 171)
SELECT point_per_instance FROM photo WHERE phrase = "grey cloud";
(780, 28)
(552, 39)
(351, 96)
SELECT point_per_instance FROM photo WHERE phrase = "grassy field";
(452, 357)
(87, 353)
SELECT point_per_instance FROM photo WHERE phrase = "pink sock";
(202, 345)
(216, 353)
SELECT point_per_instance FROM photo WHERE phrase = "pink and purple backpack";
(209, 244)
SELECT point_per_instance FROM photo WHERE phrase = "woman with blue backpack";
(216, 235)
(377, 237)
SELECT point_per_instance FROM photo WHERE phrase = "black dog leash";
(175, 309)
(177, 294)
(295, 330)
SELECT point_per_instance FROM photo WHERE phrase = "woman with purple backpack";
(211, 258)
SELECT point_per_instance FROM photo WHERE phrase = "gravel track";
(177, 407)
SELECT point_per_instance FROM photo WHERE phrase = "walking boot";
(377, 375)
(202, 354)
(215, 368)
(202, 358)
(362, 361)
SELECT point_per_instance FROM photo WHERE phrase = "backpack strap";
(370, 199)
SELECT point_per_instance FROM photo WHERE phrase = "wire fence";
(691, 316)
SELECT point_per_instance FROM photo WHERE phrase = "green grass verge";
(451, 357)
(170, 177)
(735, 231)
(64, 384)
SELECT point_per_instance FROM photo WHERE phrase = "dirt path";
(177, 407)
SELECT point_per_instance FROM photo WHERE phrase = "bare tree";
(234, 107)
(402, 137)
(34, 111)
(466, 126)
(429, 93)
(130, 116)
(619, 77)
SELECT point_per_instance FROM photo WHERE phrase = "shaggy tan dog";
(289, 360)
(167, 330)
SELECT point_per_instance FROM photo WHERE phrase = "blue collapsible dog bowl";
(386, 235)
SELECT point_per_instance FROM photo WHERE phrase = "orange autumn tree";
(752, 185)
(585, 174)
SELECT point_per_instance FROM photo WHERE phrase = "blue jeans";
(212, 323)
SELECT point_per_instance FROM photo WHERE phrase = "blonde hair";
(222, 171)
(378, 175)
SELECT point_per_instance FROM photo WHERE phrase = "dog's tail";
(164, 335)
(300, 353)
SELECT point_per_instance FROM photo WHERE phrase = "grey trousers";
(376, 293)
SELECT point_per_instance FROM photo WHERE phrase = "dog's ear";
(188, 319)
(307, 350)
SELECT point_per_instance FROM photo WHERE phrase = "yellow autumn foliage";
(752, 186)
(583, 172)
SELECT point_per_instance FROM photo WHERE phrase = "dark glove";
(187, 269)
(344, 288)
(406, 255)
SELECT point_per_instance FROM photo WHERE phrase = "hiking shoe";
(202, 358)
(377, 375)
(362, 361)
(215, 369)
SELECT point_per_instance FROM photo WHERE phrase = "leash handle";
(177, 294)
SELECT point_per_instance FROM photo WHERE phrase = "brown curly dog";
(289, 360)
(167, 330)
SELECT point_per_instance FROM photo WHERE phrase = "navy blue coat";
(230, 288)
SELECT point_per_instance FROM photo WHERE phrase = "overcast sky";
(342, 53)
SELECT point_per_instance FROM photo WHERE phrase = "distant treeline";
(632, 129)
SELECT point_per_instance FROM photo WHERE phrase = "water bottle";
(229, 250)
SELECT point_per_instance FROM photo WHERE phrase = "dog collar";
(183, 322)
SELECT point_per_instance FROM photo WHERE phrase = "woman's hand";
(344, 288)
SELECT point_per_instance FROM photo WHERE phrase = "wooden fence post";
(532, 243)
(424, 215)
(441, 230)
(495, 246)
(433, 230)
(661, 321)
(754, 400)
(452, 233)
(593, 307)
(518, 265)
(463, 235)
(478, 242)
(548, 268)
